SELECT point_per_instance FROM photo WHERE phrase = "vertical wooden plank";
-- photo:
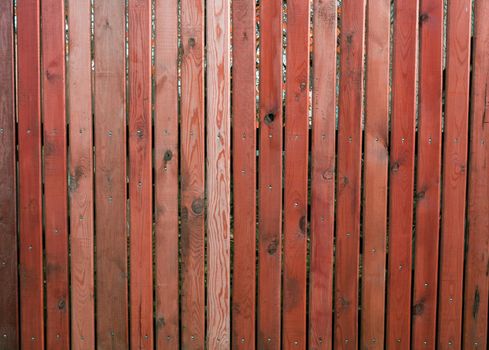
(349, 175)
(428, 175)
(323, 160)
(402, 174)
(376, 161)
(166, 174)
(218, 174)
(140, 175)
(110, 175)
(9, 323)
(454, 174)
(192, 175)
(55, 175)
(244, 176)
(30, 196)
(477, 265)
(81, 176)
(270, 176)
(296, 175)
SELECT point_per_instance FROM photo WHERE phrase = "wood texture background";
(189, 174)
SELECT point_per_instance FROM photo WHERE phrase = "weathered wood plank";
(454, 174)
(140, 175)
(218, 174)
(376, 162)
(428, 175)
(9, 305)
(81, 177)
(166, 174)
(55, 175)
(323, 160)
(30, 178)
(244, 175)
(192, 174)
(270, 176)
(296, 176)
(110, 175)
(349, 160)
(402, 174)
(477, 246)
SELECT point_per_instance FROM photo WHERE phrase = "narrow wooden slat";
(477, 246)
(9, 322)
(323, 159)
(30, 196)
(349, 174)
(81, 177)
(296, 172)
(270, 176)
(244, 176)
(402, 174)
(110, 174)
(166, 174)
(218, 116)
(454, 174)
(140, 175)
(55, 175)
(376, 161)
(428, 175)
(192, 175)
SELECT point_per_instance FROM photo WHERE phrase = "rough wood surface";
(109, 99)
(349, 161)
(454, 175)
(270, 177)
(218, 161)
(323, 170)
(375, 179)
(140, 175)
(192, 150)
(244, 175)
(428, 173)
(9, 322)
(401, 183)
(55, 175)
(296, 176)
(81, 179)
(30, 177)
(166, 175)
(477, 245)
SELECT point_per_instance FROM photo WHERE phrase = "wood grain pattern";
(244, 175)
(402, 175)
(192, 175)
(9, 305)
(477, 246)
(81, 178)
(454, 174)
(30, 178)
(110, 175)
(270, 176)
(428, 175)
(349, 160)
(296, 176)
(140, 175)
(166, 174)
(218, 174)
(376, 161)
(323, 170)
(55, 175)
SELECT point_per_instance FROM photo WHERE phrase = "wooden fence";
(230, 174)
